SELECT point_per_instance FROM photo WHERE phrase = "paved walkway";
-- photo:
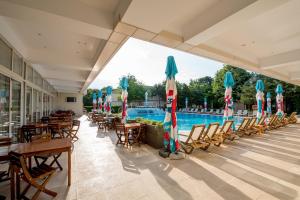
(253, 167)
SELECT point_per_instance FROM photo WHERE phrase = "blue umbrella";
(170, 122)
(228, 84)
(279, 100)
(108, 99)
(100, 100)
(94, 101)
(260, 87)
(124, 85)
(269, 104)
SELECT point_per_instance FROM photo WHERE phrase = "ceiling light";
(39, 34)
(243, 45)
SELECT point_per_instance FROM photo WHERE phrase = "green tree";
(240, 76)
(136, 89)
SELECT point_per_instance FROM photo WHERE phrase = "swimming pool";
(186, 121)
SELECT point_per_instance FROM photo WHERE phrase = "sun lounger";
(208, 137)
(243, 127)
(226, 131)
(202, 111)
(272, 123)
(281, 121)
(261, 126)
(211, 111)
(250, 128)
(222, 112)
(254, 113)
(187, 142)
(292, 119)
(217, 111)
(196, 110)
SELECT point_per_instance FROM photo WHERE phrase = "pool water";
(186, 121)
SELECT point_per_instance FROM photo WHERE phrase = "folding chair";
(45, 157)
(37, 177)
(208, 137)
(27, 131)
(187, 142)
(120, 132)
(72, 133)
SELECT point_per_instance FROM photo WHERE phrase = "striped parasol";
(100, 100)
(269, 104)
(94, 101)
(228, 84)
(260, 87)
(108, 100)
(279, 100)
(170, 122)
(124, 95)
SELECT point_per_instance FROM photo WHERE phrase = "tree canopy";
(213, 89)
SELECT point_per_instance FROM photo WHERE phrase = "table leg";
(126, 138)
(69, 166)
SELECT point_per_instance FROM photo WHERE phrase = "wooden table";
(52, 146)
(128, 127)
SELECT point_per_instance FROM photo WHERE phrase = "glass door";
(34, 105)
(28, 111)
(4, 105)
(15, 108)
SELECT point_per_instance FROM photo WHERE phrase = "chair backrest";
(120, 127)
(41, 138)
(252, 122)
(226, 126)
(261, 120)
(273, 119)
(245, 112)
(45, 120)
(244, 123)
(196, 132)
(202, 110)
(211, 130)
(211, 110)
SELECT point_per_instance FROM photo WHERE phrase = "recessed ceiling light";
(84, 43)
(243, 45)
(39, 34)
(77, 51)
(45, 46)
(253, 42)
(78, 42)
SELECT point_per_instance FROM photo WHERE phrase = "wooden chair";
(281, 121)
(101, 123)
(72, 133)
(243, 127)
(45, 157)
(226, 131)
(45, 120)
(208, 137)
(55, 130)
(261, 126)
(120, 132)
(27, 131)
(292, 119)
(250, 129)
(5, 142)
(272, 123)
(37, 177)
(188, 142)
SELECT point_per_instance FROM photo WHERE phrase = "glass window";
(17, 64)
(29, 73)
(35, 77)
(28, 111)
(39, 106)
(16, 108)
(5, 55)
(4, 105)
(34, 105)
(40, 81)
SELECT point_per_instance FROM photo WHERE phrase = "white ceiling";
(70, 41)
(62, 39)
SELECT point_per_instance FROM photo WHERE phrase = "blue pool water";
(185, 121)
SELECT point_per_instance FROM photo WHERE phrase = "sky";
(147, 62)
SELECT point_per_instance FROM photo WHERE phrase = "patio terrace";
(253, 167)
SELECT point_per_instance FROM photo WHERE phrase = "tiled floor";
(254, 167)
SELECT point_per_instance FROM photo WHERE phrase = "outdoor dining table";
(52, 146)
(130, 126)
